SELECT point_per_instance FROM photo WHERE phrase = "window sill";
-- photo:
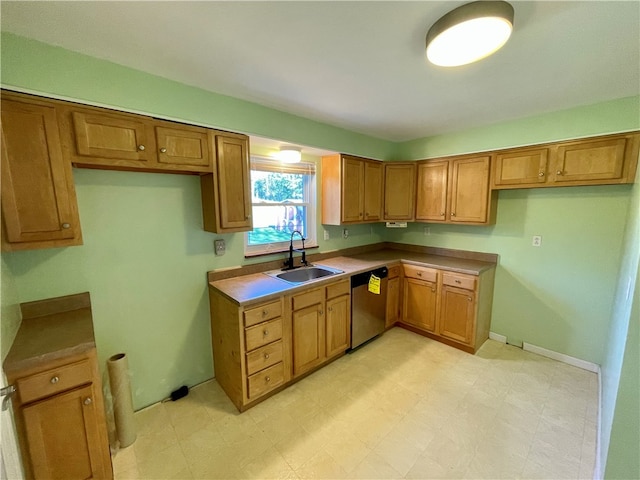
(275, 252)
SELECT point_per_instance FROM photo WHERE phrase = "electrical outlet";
(427, 231)
(345, 233)
(326, 234)
(537, 240)
(219, 246)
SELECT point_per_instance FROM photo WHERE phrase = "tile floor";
(403, 406)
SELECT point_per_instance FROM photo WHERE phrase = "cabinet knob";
(267, 379)
(469, 298)
(559, 172)
(453, 214)
(264, 313)
(266, 356)
(66, 225)
(265, 332)
(331, 309)
(419, 274)
(321, 312)
(458, 282)
(541, 174)
(141, 148)
(433, 289)
(163, 150)
(88, 401)
(442, 214)
(55, 380)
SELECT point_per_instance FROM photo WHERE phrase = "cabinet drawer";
(54, 381)
(467, 282)
(421, 273)
(262, 313)
(264, 381)
(264, 357)
(394, 271)
(311, 297)
(339, 288)
(263, 333)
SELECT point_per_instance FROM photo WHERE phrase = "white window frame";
(310, 187)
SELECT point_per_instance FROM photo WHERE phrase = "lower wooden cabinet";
(393, 295)
(451, 307)
(260, 348)
(61, 420)
(320, 324)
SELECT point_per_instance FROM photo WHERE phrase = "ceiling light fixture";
(469, 33)
(290, 154)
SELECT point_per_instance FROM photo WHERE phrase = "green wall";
(145, 255)
(620, 407)
(9, 309)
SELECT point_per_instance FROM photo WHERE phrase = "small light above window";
(290, 154)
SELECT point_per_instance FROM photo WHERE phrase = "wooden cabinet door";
(352, 190)
(38, 197)
(457, 314)
(113, 139)
(431, 198)
(399, 191)
(63, 436)
(338, 320)
(226, 195)
(393, 301)
(470, 190)
(521, 168)
(184, 147)
(586, 162)
(308, 337)
(420, 300)
(373, 183)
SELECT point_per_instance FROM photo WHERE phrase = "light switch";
(219, 246)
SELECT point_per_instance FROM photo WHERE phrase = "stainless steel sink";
(304, 274)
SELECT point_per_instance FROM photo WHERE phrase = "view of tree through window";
(281, 202)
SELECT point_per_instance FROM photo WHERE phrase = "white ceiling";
(357, 65)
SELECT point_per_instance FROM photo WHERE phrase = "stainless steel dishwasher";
(367, 309)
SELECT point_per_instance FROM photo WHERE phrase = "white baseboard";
(598, 474)
(561, 357)
(497, 337)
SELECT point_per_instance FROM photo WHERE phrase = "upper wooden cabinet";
(226, 193)
(102, 138)
(39, 206)
(399, 191)
(455, 190)
(351, 190)
(610, 159)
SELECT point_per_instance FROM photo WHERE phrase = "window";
(283, 200)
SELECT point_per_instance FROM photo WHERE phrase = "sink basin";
(304, 274)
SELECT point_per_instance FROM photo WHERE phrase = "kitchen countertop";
(51, 329)
(246, 289)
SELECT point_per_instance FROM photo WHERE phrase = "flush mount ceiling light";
(290, 154)
(469, 33)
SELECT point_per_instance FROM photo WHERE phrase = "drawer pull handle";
(88, 401)
(458, 281)
(266, 332)
(266, 356)
(66, 225)
(55, 380)
(268, 379)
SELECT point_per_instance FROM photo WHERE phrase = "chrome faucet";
(288, 263)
